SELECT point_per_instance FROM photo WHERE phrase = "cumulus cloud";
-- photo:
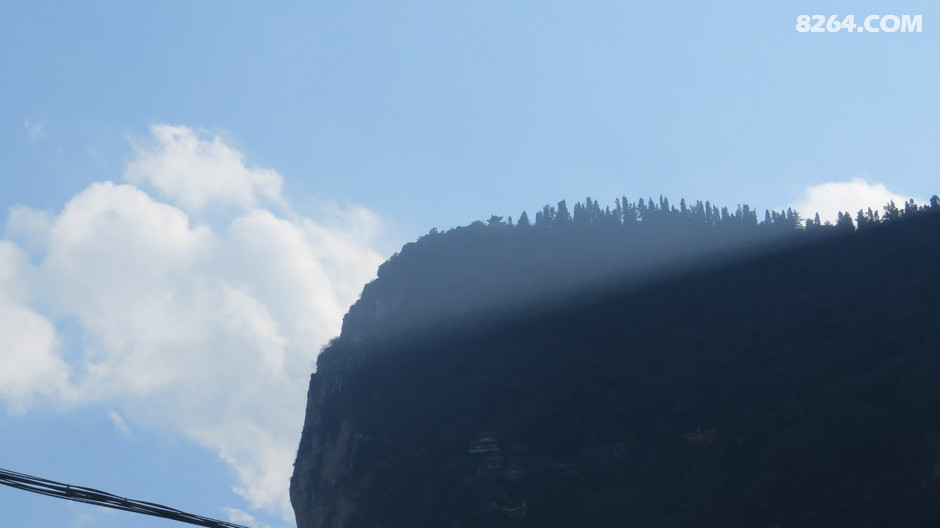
(30, 364)
(195, 170)
(828, 199)
(239, 517)
(209, 331)
(29, 228)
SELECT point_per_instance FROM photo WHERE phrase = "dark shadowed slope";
(796, 387)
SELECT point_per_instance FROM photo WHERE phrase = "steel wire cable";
(102, 498)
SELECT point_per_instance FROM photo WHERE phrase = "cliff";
(483, 380)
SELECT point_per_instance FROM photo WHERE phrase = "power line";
(103, 498)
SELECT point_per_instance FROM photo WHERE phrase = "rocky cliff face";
(473, 273)
(323, 492)
(324, 455)
(744, 395)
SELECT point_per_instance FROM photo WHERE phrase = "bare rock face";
(324, 456)
(444, 402)
(322, 491)
(470, 274)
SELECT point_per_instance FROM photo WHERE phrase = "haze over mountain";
(646, 365)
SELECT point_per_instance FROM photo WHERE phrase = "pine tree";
(524, 220)
(618, 210)
(891, 211)
(845, 222)
(562, 216)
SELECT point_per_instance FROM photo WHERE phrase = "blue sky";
(162, 161)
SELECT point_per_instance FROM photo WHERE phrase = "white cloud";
(35, 129)
(207, 332)
(29, 228)
(239, 517)
(195, 170)
(119, 424)
(30, 364)
(828, 199)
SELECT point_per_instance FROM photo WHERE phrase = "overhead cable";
(105, 499)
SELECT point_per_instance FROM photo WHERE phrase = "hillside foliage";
(793, 383)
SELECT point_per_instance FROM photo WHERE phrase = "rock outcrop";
(793, 388)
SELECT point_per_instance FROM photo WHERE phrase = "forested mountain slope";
(794, 385)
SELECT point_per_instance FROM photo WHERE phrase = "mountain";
(675, 371)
